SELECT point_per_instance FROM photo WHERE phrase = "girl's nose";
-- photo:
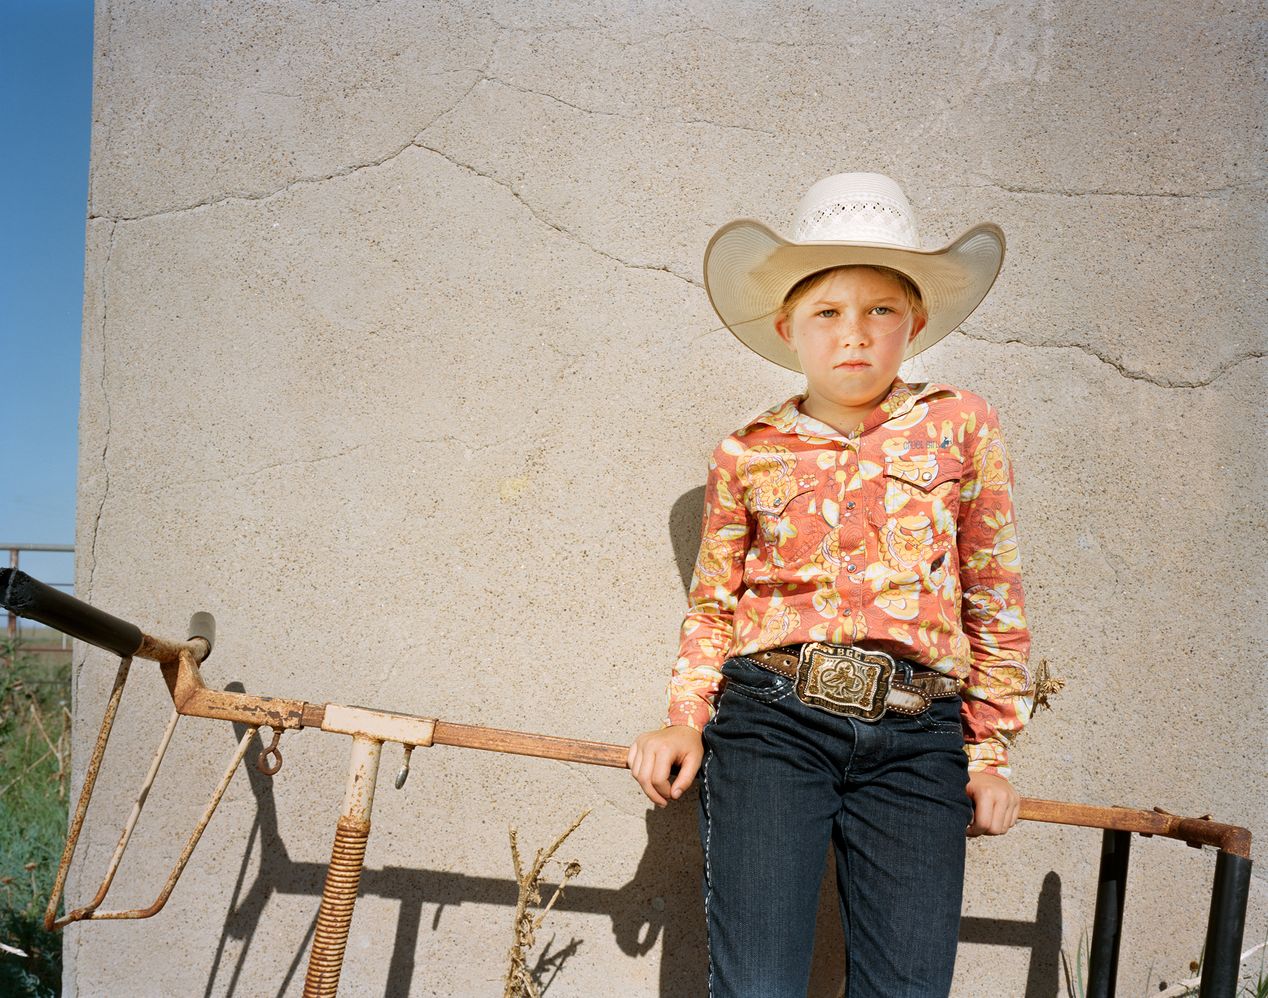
(854, 330)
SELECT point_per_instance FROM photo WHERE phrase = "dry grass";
(520, 979)
(34, 777)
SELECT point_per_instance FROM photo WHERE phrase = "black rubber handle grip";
(28, 597)
(203, 625)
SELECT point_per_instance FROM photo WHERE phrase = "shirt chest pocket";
(792, 528)
(921, 494)
(914, 521)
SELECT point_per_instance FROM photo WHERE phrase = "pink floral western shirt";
(899, 536)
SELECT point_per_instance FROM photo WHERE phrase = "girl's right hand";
(654, 754)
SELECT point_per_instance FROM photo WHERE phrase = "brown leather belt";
(855, 682)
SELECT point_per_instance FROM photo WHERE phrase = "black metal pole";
(1107, 922)
(1222, 956)
(13, 617)
(28, 597)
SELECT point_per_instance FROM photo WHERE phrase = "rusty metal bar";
(1192, 831)
(157, 905)
(343, 877)
(128, 826)
(523, 743)
(85, 792)
(179, 662)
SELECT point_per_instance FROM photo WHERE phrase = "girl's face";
(850, 333)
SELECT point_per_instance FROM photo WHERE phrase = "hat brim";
(748, 269)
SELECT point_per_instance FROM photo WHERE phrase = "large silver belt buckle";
(845, 680)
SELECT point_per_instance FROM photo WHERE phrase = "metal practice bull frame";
(179, 663)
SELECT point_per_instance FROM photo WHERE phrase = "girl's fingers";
(984, 812)
(995, 810)
(1004, 814)
(650, 778)
(660, 776)
(641, 765)
(687, 769)
(981, 818)
(652, 758)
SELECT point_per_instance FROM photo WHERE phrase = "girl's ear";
(918, 324)
(783, 326)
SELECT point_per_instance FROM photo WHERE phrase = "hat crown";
(857, 207)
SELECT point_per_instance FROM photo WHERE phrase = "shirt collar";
(787, 417)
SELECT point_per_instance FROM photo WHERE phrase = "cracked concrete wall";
(396, 358)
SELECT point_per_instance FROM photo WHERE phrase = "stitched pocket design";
(795, 529)
(748, 679)
(942, 717)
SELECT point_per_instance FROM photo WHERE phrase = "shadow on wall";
(660, 904)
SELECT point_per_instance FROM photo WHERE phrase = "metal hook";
(262, 761)
(403, 773)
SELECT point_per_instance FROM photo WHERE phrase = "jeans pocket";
(746, 678)
(942, 717)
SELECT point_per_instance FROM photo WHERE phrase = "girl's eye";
(826, 313)
(882, 310)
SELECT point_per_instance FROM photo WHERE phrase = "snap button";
(849, 505)
(849, 568)
(927, 475)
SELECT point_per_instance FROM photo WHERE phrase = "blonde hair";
(810, 282)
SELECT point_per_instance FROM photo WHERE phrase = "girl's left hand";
(995, 804)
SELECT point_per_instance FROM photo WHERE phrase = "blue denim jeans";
(780, 781)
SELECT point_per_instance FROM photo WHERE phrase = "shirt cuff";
(990, 756)
(694, 713)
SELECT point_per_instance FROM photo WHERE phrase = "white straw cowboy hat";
(850, 218)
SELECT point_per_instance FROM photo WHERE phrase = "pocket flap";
(777, 505)
(925, 476)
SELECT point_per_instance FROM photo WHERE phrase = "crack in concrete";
(244, 197)
(649, 38)
(733, 39)
(624, 117)
(344, 171)
(550, 223)
(481, 76)
(105, 398)
(584, 772)
(107, 68)
(1123, 370)
(164, 486)
(738, 128)
(556, 99)
(1212, 192)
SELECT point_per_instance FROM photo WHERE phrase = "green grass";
(1253, 985)
(34, 778)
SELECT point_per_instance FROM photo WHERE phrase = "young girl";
(853, 658)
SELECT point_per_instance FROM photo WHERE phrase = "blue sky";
(45, 116)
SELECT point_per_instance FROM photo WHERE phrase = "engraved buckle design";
(843, 679)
